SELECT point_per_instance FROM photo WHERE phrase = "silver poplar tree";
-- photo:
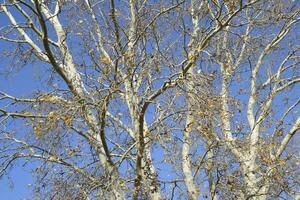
(146, 99)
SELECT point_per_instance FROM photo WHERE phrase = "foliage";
(154, 99)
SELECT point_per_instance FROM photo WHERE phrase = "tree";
(155, 99)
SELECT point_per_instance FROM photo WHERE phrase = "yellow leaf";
(104, 60)
(226, 66)
(71, 152)
(177, 94)
(27, 113)
(192, 58)
(123, 184)
(67, 119)
(147, 133)
(38, 131)
(281, 163)
(191, 8)
(216, 2)
(262, 129)
(128, 55)
(51, 114)
(47, 98)
(144, 73)
(52, 158)
(157, 68)
(192, 122)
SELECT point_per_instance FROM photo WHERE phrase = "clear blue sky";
(15, 185)
(19, 177)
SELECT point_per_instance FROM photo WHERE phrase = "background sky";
(15, 185)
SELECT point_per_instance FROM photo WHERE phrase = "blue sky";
(15, 185)
(19, 177)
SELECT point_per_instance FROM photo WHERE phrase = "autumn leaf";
(27, 113)
(158, 137)
(51, 114)
(190, 8)
(47, 98)
(71, 152)
(194, 65)
(104, 60)
(215, 2)
(38, 131)
(123, 184)
(281, 163)
(226, 66)
(147, 133)
(53, 158)
(168, 136)
(262, 129)
(67, 119)
(192, 122)
(192, 58)
(144, 73)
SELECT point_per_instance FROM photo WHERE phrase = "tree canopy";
(189, 99)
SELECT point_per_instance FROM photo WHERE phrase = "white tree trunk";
(186, 160)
